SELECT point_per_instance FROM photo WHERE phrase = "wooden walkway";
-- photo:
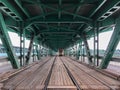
(59, 78)
(57, 73)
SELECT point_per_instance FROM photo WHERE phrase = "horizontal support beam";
(56, 27)
(58, 33)
(56, 20)
(63, 2)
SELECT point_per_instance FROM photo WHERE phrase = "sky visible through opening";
(104, 39)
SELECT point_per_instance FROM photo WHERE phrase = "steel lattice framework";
(58, 23)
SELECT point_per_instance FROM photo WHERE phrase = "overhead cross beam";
(56, 20)
(56, 27)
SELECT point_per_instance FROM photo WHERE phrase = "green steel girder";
(95, 10)
(56, 27)
(65, 13)
(7, 43)
(58, 37)
(10, 22)
(98, 6)
(105, 8)
(62, 10)
(65, 19)
(30, 49)
(77, 53)
(101, 2)
(38, 52)
(59, 6)
(64, 2)
(18, 2)
(43, 12)
(115, 38)
(12, 10)
(87, 48)
(107, 22)
(64, 33)
(76, 11)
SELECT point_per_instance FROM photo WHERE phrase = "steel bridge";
(59, 24)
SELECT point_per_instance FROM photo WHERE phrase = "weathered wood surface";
(34, 76)
(59, 78)
(31, 78)
(90, 79)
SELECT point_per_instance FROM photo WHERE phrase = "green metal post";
(115, 38)
(96, 44)
(87, 49)
(33, 53)
(38, 53)
(7, 43)
(24, 47)
(83, 52)
(30, 49)
(78, 52)
(94, 41)
(21, 49)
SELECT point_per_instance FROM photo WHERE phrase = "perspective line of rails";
(57, 73)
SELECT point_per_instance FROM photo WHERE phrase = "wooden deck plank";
(60, 78)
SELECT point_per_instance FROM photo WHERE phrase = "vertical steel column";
(38, 53)
(7, 43)
(87, 49)
(83, 52)
(30, 49)
(96, 44)
(21, 50)
(78, 52)
(33, 53)
(23, 47)
(115, 38)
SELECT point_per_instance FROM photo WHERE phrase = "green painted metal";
(12, 11)
(7, 43)
(23, 9)
(65, 19)
(57, 23)
(30, 49)
(102, 2)
(105, 9)
(78, 52)
(38, 52)
(87, 49)
(115, 38)
(62, 10)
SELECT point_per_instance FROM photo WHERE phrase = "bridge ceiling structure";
(59, 23)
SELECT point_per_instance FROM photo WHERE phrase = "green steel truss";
(57, 23)
(7, 43)
(115, 38)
